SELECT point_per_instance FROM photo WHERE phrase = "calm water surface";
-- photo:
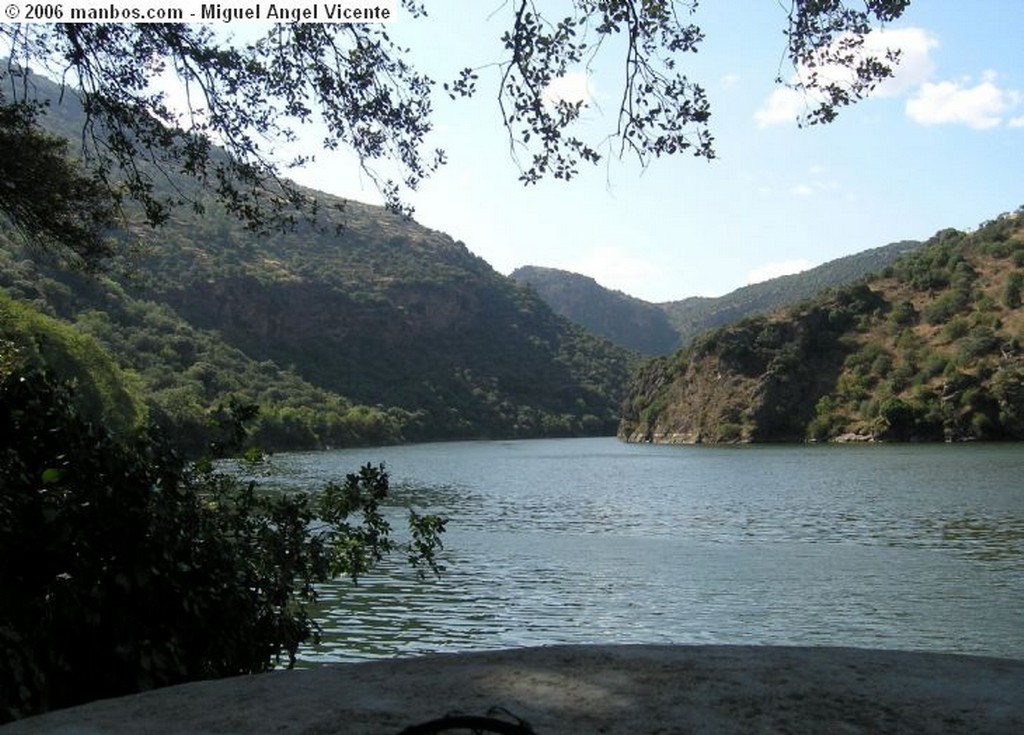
(592, 540)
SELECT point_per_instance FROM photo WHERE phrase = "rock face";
(757, 381)
(588, 689)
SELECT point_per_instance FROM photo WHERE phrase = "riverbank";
(589, 689)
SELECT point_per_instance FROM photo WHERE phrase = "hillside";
(103, 394)
(660, 329)
(366, 327)
(625, 320)
(930, 349)
(692, 316)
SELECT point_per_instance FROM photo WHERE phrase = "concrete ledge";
(590, 689)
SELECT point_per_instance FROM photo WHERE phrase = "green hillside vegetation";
(692, 316)
(661, 329)
(929, 350)
(188, 374)
(361, 328)
(415, 355)
(387, 312)
(103, 393)
(625, 320)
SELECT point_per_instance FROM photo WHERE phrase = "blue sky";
(941, 146)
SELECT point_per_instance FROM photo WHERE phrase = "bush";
(729, 432)
(979, 342)
(1012, 290)
(903, 314)
(914, 420)
(124, 569)
(947, 306)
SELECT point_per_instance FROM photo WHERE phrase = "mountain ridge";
(623, 319)
(638, 325)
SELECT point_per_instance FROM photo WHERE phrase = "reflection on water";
(583, 541)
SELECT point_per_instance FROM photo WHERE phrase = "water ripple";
(583, 541)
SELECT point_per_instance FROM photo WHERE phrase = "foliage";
(928, 350)
(352, 76)
(356, 80)
(48, 198)
(102, 391)
(660, 329)
(123, 569)
(1012, 290)
(826, 36)
(383, 332)
(693, 316)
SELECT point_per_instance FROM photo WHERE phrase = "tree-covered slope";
(692, 316)
(930, 349)
(625, 320)
(387, 312)
(381, 312)
(660, 329)
(362, 326)
(105, 395)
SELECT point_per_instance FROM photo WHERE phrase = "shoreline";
(588, 689)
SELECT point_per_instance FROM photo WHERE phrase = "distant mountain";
(930, 349)
(625, 320)
(694, 315)
(367, 327)
(660, 329)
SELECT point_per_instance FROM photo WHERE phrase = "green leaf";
(51, 476)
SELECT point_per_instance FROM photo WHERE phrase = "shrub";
(980, 341)
(903, 314)
(729, 432)
(909, 420)
(955, 329)
(946, 306)
(1012, 290)
(123, 569)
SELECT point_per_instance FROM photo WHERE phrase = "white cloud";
(571, 87)
(802, 190)
(913, 68)
(1015, 122)
(783, 105)
(613, 268)
(768, 271)
(981, 106)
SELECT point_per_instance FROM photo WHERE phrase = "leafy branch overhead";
(48, 199)
(826, 44)
(661, 112)
(239, 102)
(243, 100)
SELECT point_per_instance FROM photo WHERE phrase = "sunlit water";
(594, 541)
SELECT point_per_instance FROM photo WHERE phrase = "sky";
(941, 145)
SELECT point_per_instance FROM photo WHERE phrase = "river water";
(594, 541)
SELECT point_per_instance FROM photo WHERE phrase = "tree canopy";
(48, 199)
(243, 98)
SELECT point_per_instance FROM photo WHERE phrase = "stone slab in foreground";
(590, 689)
